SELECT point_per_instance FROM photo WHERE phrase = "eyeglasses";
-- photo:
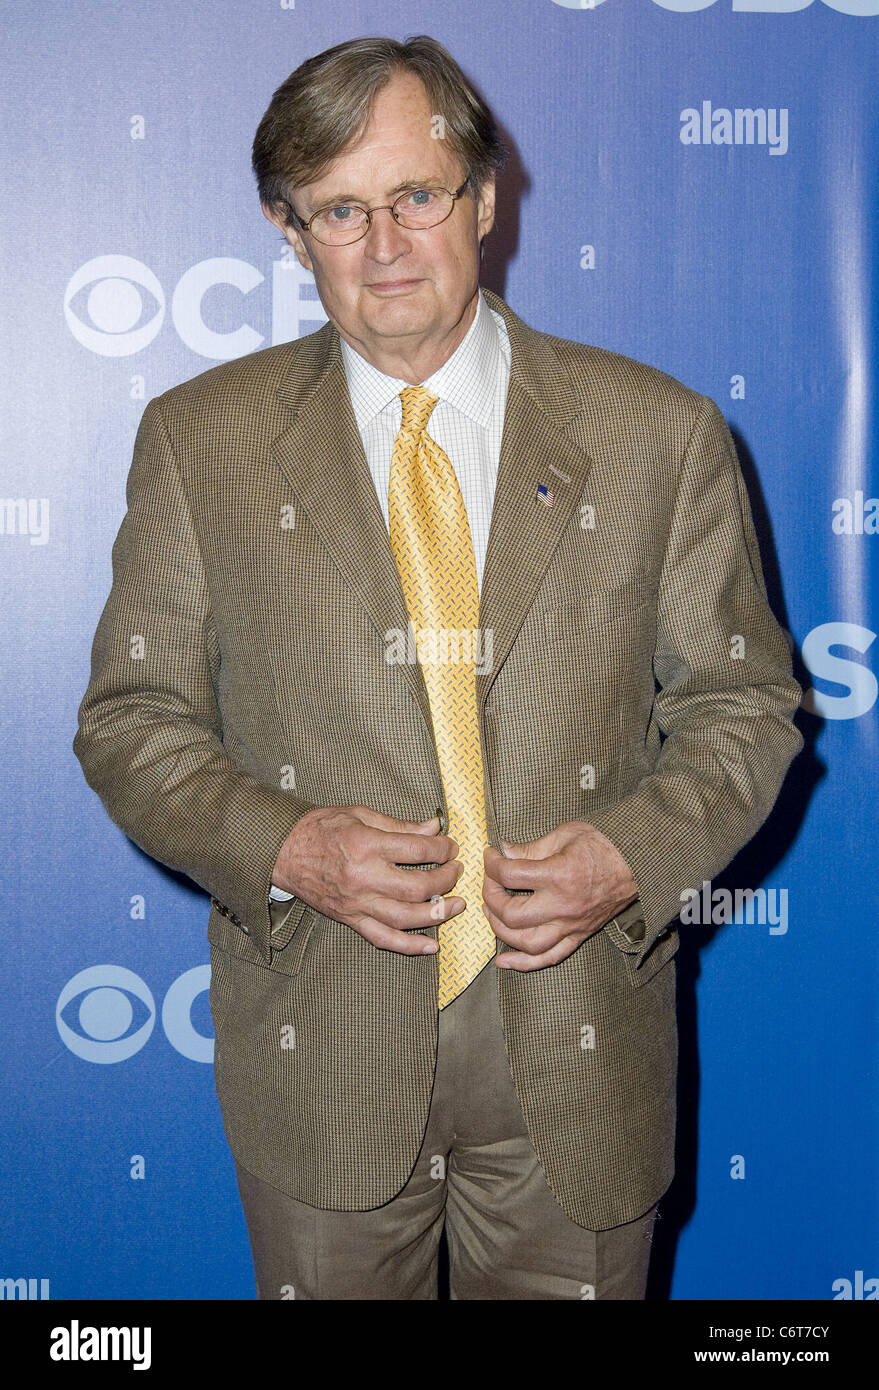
(417, 209)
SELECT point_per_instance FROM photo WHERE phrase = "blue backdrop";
(693, 184)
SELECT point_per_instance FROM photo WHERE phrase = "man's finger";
(554, 951)
(541, 848)
(404, 840)
(534, 939)
(406, 887)
(386, 938)
(516, 873)
(414, 916)
(380, 821)
(515, 912)
(397, 847)
(518, 960)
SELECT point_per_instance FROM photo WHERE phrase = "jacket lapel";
(321, 455)
(535, 449)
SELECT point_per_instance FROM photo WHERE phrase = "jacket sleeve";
(725, 698)
(150, 738)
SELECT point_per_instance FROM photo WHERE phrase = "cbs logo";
(115, 305)
(858, 684)
(112, 999)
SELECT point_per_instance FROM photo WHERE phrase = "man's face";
(396, 291)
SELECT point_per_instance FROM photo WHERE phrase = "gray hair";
(325, 104)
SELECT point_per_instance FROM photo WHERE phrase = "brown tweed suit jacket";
(254, 563)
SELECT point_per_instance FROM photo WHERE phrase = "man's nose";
(385, 239)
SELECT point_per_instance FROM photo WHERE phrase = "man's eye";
(419, 198)
(341, 214)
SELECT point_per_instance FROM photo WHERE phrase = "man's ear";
(290, 232)
(485, 207)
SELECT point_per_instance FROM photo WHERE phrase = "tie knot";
(417, 406)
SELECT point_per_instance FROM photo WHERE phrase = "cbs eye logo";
(113, 1000)
(115, 305)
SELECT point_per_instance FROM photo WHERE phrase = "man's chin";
(399, 318)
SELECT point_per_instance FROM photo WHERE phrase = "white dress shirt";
(467, 422)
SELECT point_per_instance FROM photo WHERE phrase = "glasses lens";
(339, 224)
(423, 207)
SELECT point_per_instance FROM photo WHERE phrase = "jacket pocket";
(286, 959)
(290, 958)
(642, 968)
(593, 607)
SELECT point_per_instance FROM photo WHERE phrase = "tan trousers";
(477, 1172)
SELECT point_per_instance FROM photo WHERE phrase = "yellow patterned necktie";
(433, 548)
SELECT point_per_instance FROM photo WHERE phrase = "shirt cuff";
(628, 929)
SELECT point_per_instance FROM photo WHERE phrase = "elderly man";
(456, 672)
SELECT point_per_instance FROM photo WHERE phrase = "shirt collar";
(467, 380)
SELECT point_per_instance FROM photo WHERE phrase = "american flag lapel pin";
(544, 494)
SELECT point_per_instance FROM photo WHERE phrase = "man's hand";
(579, 881)
(342, 860)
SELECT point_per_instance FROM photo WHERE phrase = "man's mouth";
(391, 286)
